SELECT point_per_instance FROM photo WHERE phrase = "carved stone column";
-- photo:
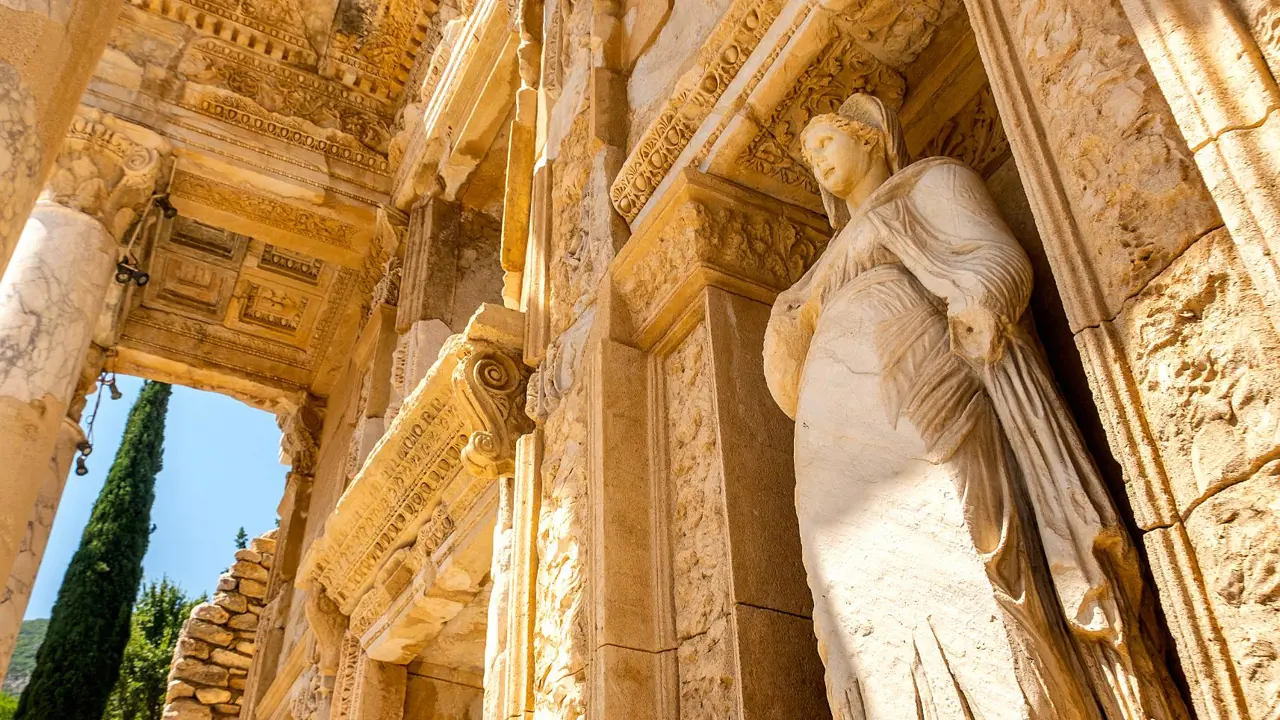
(22, 578)
(52, 293)
(48, 51)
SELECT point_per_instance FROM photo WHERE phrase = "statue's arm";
(949, 233)
(787, 338)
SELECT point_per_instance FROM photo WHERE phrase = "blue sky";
(221, 472)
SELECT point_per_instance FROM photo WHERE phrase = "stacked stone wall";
(211, 662)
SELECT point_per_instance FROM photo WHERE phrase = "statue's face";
(840, 160)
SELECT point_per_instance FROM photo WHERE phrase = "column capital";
(107, 168)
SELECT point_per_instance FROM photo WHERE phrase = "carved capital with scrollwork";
(107, 168)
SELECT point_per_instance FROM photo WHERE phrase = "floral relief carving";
(842, 68)
(578, 256)
(736, 239)
(697, 92)
(699, 530)
(974, 136)
(897, 31)
(562, 618)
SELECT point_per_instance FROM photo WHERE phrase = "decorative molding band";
(711, 232)
(696, 94)
(268, 211)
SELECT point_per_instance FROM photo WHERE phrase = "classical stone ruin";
(217, 643)
(536, 288)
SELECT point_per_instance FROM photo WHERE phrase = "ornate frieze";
(456, 429)
(274, 28)
(270, 97)
(711, 231)
(260, 208)
(374, 43)
(724, 54)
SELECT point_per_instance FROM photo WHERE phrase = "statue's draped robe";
(928, 244)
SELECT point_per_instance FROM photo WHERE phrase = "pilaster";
(697, 603)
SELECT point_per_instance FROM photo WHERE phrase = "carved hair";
(866, 119)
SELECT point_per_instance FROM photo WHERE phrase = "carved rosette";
(107, 168)
(454, 436)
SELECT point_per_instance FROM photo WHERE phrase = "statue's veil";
(869, 111)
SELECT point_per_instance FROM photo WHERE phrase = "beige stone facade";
(504, 271)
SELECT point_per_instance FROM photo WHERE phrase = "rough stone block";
(229, 659)
(263, 546)
(200, 673)
(227, 709)
(178, 690)
(231, 602)
(252, 571)
(245, 648)
(187, 709)
(226, 583)
(249, 556)
(245, 621)
(253, 589)
(208, 632)
(210, 613)
(239, 683)
(211, 696)
(1236, 536)
(191, 647)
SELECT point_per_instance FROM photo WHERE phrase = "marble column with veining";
(53, 293)
(48, 52)
(22, 578)
(50, 298)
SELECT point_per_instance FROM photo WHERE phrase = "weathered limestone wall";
(217, 644)
(1148, 278)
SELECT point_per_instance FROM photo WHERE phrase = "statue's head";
(843, 147)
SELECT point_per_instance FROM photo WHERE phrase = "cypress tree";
(79, 662)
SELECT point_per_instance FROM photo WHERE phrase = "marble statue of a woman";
(964, 557)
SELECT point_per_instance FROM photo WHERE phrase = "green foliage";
(157, 619)
(30, 635)
(8, 706)
(242, 539)
(79, 662)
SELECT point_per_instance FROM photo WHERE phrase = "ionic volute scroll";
(491, 385)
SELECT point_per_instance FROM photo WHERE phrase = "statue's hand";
(977, 334)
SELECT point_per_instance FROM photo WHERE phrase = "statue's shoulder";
(936, 170)
(930, 178)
